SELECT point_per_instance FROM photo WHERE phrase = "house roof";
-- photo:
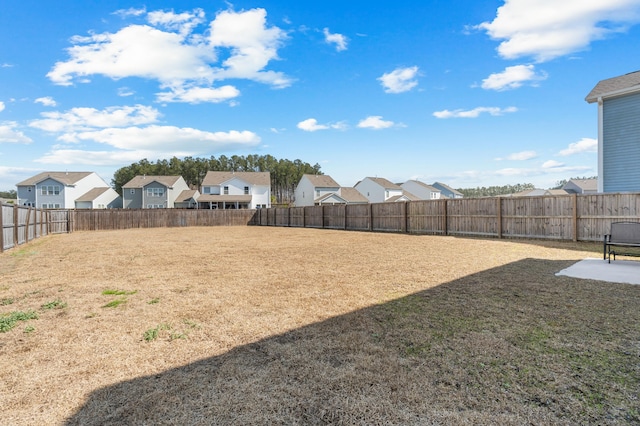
(144, 180)
(386, 184)
(92, 194)
(255, 178)
(324, 181)
(186, 195)
(585, 184)
(425, 185)
(323, 199)
(352, 195)
(211, 198)
(66, 178)
(615, 86)
(447, 187)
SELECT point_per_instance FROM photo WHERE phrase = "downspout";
(600, 144)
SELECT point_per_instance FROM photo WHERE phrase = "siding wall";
(621, 144)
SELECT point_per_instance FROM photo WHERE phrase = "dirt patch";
(255, 325)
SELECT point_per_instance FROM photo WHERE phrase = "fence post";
(322, 217)
(444, 212)
(15, 225)
(499, 207)
(405, 219)
(1, 228)
(574, 200)
(28, 225)
(289, 216)
(370, 216)
(345, 217)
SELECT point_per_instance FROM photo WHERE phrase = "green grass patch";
(154, 333)
(56, 304)
(110, 292)
(153, 301)
(115, 303)
(8, 321)
(29, 329)
(7, 301)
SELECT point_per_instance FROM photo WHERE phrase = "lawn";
(262, 325)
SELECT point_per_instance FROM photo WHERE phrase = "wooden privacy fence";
(563, 217)
(22, 224)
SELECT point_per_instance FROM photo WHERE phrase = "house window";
(205, 190)
(155, 206)
(50, 190)
(226, 190)
(246, 190)
(317, 192)
(155, 192)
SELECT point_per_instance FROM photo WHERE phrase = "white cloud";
(399, 80)
(170, 52)
(520, 156)
(46, 101)
(79, 119)
(552, 164)
(125, 91)
(338, 39)
(512, 78)
(546, 29)
(168, 139)
(9, 133)
(253, 45)
(375, 122)
(124, 13)
(311, 125)
(583, 145)
(474, 113)
(1, 106)
(196, 95)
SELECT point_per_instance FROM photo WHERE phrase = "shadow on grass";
(509, 345)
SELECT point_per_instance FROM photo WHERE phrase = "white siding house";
(312, 189)
(618, 102)
(67, 190)
(421, 190)
(581, 186)
(379, 190)
(152, 192)
(235, 190)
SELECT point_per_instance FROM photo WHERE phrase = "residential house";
(67, 190)
(188, 199)
(311, 189)
(581, 186)
(345, 195)
(152, 192)
(537, 192)
(618, 102)
(421, 190)
(381, 190)
(446, 191)
(235, 190)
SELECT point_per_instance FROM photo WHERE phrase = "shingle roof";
(426, 185)
(186, 195)
(142, 181)
(447, 187)
(586, 184)
(92, 194)
(386, 184)
(615, 85)
(323, 181)
(352, 195)
(255, 178)
(66, 178)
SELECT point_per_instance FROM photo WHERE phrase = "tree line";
(494, 191)
(285, 174)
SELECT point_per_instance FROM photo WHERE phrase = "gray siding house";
(152, 192)
(67, 190)
(446, 191)
(618, 102)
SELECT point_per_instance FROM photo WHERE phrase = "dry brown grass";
(254, 325)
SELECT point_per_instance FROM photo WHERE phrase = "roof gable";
(144, 180)
(65, 178)
(323, 181)
(386, 184)
(92, 194)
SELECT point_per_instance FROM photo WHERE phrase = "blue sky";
(469, 94)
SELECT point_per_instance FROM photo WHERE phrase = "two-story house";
(446, 191)
(235, 190)
(581, 186)
(314, 187)
(381, 190)
(421, 190)
(153, 192)
(618, 101)
(67, 190)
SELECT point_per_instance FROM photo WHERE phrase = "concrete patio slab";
(618, 271)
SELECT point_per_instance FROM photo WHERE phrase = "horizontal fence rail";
(562, 217)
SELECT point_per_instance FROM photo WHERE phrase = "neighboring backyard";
(264, 325)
